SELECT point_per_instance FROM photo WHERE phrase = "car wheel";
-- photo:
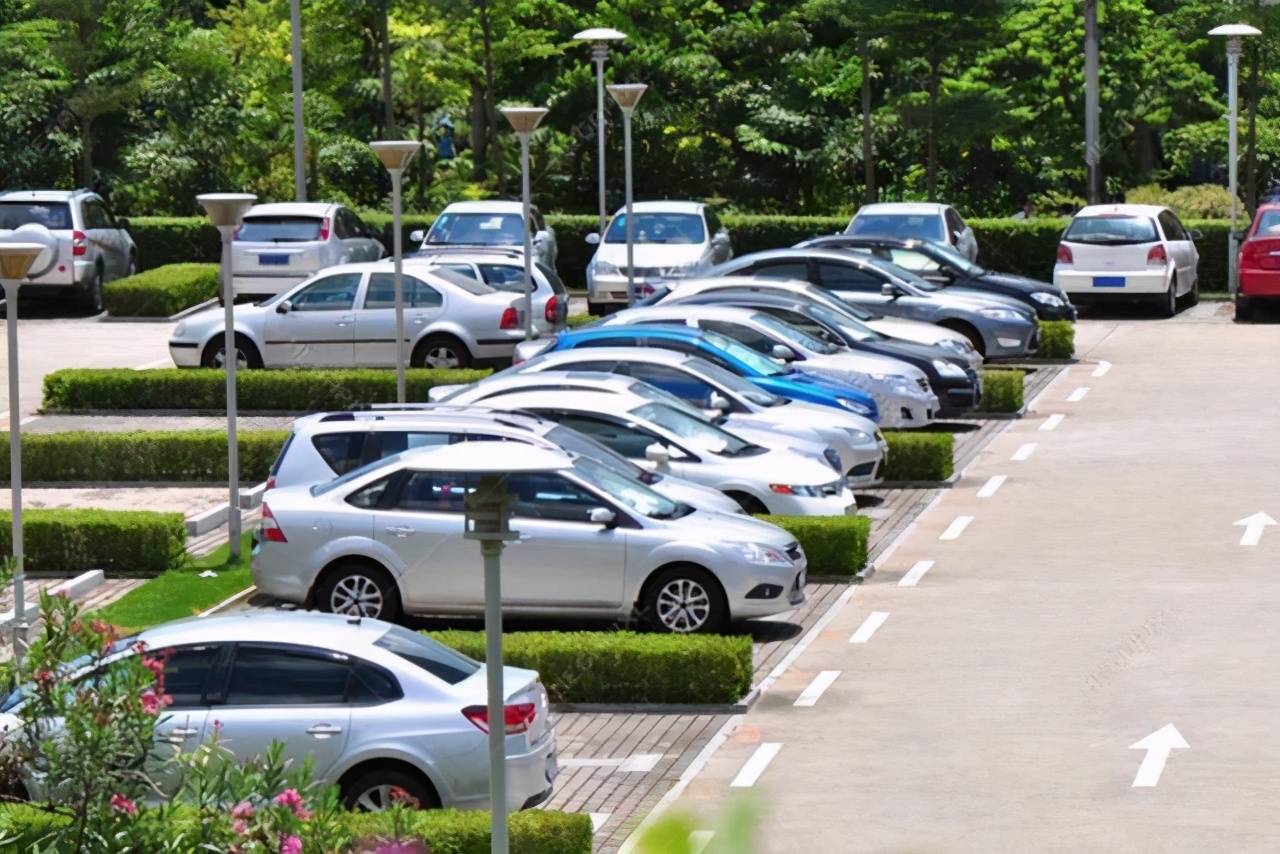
(361, 590)
(1244, 309)
(247, 355)
(750, 505)
(89, 296)
(968, 331)
(1193, 298)
(441, 351)
(1168, 304)
(132, 269)
(375, 791)
(686, 600)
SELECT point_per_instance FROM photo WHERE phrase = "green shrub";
(1025, 247)
(1001, 391)
(1212, 247)
(190, 456)
(834, 545)
(919, 456)
(79, 389)
(161, 292)
(165, 240)
(1057, 340)
(1198, 201)
(576, 320)
(623, 667)
(120, 542)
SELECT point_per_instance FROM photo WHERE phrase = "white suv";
(278, 246)
(94, 247)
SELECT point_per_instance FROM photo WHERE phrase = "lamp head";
(16, 259)
(627, 94)
(599, 35)
(524, 119)
(1235, 30)
(226, 209)
(395, 154)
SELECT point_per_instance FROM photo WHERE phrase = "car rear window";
(1268, 224)
(1111, 230)
(342, 451)
(553, 279)
(435, 658)
(279, 229)
(52, 215)
(918, 226)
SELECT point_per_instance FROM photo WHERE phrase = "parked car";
(94, 246)
(371, 705)
(345, 317)
(669, 240)
(901, 391)
(1259, 262)
(489, 223)
(997, 326)
(503, 270)
(280, 245)
(717, 349)
(1136, 253)
(388, 537)
(943, 266)
(326, 445)
(726, 396)
(918, 221)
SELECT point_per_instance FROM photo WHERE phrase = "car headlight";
(948, 369)
(759, 553)
(604, 268)
(858, 437)
(180, 329)
(955, 345)
(790, 489)
(1000, 314)
(896, 382)
(1046, 298)
(853, 406)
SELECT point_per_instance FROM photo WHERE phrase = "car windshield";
(701, 435)
(947, 254)
(628, 491)
(649, 392)
(731, 382)
(793, 334)
(477, 229)
(918, 226)
(1111, 230)
(850, 328)
(54, 216)
(762, 365)
(658, 228)
(437, 659)
(20, 693)
(584, 446)
(279, 229)
(898, 273)
(355, 474)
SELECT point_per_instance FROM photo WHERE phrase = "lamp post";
(299, 141)
(1092, 150)
(524, 120)
(225, 211)
(1235, 34)
(628, 96)
(600, 38)
(395, 155)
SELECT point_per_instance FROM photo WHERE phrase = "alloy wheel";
(220, 359)
(442, 357)
(375, 799)
(683, 605)
(358, 595)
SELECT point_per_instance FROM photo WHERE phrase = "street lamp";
(395, 155)
(523, 121)
(600, 38)
(225, 210)
(299, 146)
(1235, 34)
(628, 96)
(488, 510)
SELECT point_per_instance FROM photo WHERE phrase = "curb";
(231, 600)
(993, 416)
(920, 484)
(209, 303)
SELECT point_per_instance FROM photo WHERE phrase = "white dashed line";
(990, 487)
(809, 696)
(869, 626)
(1052, 421)
(755, 765)
(641, 763)
(158, 363)
(1101, 370)
(913, 576)
(28, 420)
(1077, 395)
(1024, 452)
(699, 840)
(956, 528)
(598, 819)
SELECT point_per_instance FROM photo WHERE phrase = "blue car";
(781, 380)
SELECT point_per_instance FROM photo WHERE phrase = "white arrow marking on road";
(990, 487)
(1024, 452)
(956, 528)
(1158, 746)
(1077, 395)
(913, 576)
(1052, 421)
(1253, 528)
(1101, 370)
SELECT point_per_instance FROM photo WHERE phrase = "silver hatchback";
(279, 245)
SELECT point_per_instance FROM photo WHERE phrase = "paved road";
(1098, 594)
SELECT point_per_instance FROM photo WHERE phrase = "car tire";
(750, 505)
(1167, 306)
(1193, 298)
(685, 599)
(1244, 309)
(215, 353)
(359, 589)
(371, 791)
(440, 351)
(968, 331)
(89, 295)
(132, 269)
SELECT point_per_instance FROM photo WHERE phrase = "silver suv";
(280, 245)
(94, 247)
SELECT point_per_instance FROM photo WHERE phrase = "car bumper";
(905, 411)
(1260, 283)
(267, 286)
(957, 396)
(1012, 339)
(1055, 312)
(768, 590)
(276, 575)
(185, 354)
(837, 504)
(1085, 285)
(862, 461)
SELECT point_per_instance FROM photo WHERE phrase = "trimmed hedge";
(919, 456)
(189, 456)
(161, 292)
(623, 667)
(165, 240)
(1057, 340)
(119, 542)
(1001, 391)
(575, 320)
(834, 545)
(79, 389)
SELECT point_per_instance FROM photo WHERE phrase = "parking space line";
(158, 363)
(956, 528)
(699, 840)
(824, 680)
(1052, 421)
(28, 420)
(598, 819)
(990, 487)
(641, 763)
(869, 626)
(755, 766)
(1024, 452)
(913, 576)
(1077, 395)
(1101, 370)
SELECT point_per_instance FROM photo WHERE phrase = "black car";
(957, 386)
(947, 268)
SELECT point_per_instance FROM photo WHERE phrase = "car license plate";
(1108, 281)
(273, 260)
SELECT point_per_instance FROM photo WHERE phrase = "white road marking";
(1158, 745)
(28, 420)
(809, 696)
(1253, 527)
(913, 576)
(1024, 452)
(869, 626)
(158, 363)
(1052, 421)
(699, 840)
(589, 763)
(598, 819)
(990, 487)
(755, 765)
(641, 763)
(1077, 395)
(956, 528)
(1101, 370)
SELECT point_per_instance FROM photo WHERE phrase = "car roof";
(641, 354)
(594, 379)
(486, 206)
(456, 413)
(1123, 210)
(837, 240)
(791, 251)
(901, 208)
(292, 209)
(680, 311)
(619, 403)
(761, 283)
(333, 631)
(667, 206)
(772, 297)
(682, 332)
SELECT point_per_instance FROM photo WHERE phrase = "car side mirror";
(603, 516)
(539, 236)
(781, 351)
(593, 238)
(122, 224)
(888, 289)
(718, 401)
(417, 236)
(1197, 234)
(958, 235)
(1237, 235)
(658, 454)
(284, 307)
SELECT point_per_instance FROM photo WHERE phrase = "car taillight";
(324, 229)
(1248, 250)
(510, 320)
(79, 243)
(1064, 254)
(517, 717)
(271, 482)
(270, 527)
(553, 307)
(1156, 256)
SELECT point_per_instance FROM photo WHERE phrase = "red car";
(1259, 262)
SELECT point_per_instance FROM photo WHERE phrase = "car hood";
(702, 498)
(1021, 283)
(804, 442)
(735, 528)
(652, 254)
(212, 317)
(976, 301)
(867, 363)
(784, 466)
(799, 414)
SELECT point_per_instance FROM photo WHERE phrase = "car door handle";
(400, 530)
(324, 730)
(177, 735)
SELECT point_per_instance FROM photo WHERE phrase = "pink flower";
(152, 702)
(290, 845)
(155, 665)
(124, 805)
(240, 827)
(244, 809)
(289, 798)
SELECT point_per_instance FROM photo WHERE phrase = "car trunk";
(284, 246)
(1262, 253)
(519, 686)
(1105, 258)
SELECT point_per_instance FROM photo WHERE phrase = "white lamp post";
(395, 155)
(628, 96)
(225, 210)
(600, 38)
(1235, 34)
(524, 120)
(299, 146)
